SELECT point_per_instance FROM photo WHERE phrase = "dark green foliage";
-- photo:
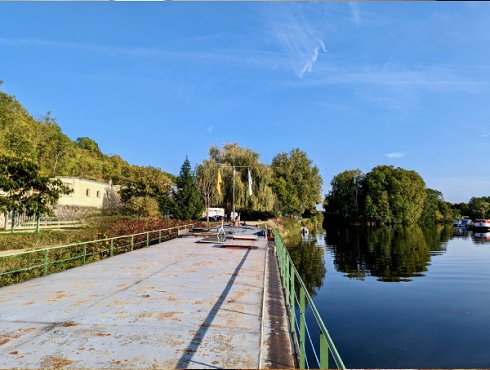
(188, 204)
(297, 182)
(385, 195)
(344, 198)
(479, 207)
(25, 189)
(436, 210)
(150, 183)
(89, 145)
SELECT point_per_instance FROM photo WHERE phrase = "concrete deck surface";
(175, 304)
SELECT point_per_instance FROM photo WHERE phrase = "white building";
(86, 193)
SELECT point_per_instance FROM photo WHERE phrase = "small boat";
(463, 223)
(481, 223)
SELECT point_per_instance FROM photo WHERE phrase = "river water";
(401, 297)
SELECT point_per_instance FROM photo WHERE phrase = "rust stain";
(57, 296)
(162, 315)
(4, 341)
(119, 302)
(28, 303)
(69, 323)
(55, 362)
(27, 330)
(14, 353)
(103, 334)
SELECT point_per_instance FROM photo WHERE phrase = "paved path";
(175, 304)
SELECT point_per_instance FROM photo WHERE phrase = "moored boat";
(481, 223)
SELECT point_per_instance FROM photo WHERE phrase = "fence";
(313, 342)
(17, 267)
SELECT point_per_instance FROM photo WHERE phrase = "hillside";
(43, 141)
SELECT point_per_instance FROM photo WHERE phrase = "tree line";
(290, 185)
(387, 195)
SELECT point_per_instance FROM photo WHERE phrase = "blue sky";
(355, 85)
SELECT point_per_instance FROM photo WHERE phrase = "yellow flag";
(218, 183)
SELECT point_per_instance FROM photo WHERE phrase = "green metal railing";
(311, 354)
(17, 267)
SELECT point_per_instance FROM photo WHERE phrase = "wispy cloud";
(314, 56)
(301, 39)
(355, 13)
(242, 57)
(395, 155)
(210, 128)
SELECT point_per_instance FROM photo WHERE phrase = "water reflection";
(307, 256)
(481, 237)
(392, 254)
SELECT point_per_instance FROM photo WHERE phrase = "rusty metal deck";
(176, 304)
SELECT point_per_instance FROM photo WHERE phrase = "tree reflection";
(390, 253)
(308, 259)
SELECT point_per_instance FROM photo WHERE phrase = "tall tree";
(207, 175)
(344, 199)
(262, 199)
(297, 182)
(188, 204)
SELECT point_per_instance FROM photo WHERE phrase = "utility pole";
(234, 171)
(234, 213)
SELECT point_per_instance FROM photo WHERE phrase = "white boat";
(481, 224)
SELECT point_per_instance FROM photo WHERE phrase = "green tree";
(398, 194)
(207, 175)
(262, 198)
(479, 207)
(297, 182)
(147, 182)
(344, 199)
(188, 204)
(436, 210)
(25, 189)
(142, 206)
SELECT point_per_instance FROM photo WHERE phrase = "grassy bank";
(26, 266)
(96, 228)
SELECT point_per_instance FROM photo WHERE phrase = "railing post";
(302, 319)
(291, 299)
(45, 262)
(132, 242)
(323, 351)
(84, 253)
(286, 277)
(159, 236)
(147, 238)
(111, 248)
